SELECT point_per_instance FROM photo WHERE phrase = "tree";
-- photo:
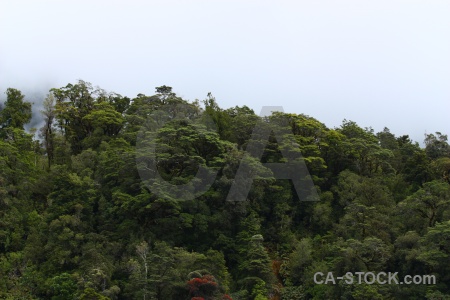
(105, 117)
(436, 145)
(295, 265)
(16, 112)
(435, 253)
(220, 117)
(80, 110)
(367, 205)
(165, 272)
(362, 148)
(427, 205)
(372, 252)
(73, 103)
(62, 287)
(47, 131)
(441, 167)
(148, 110)
(241, 122)
(387, 139)
(256, 267)
(203, 287)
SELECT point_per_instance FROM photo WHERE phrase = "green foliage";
(434, 252)
(78, 220)
(436, 146)
(16, 112)
(427, 206)
(86, 115)
(90, 294)
(220, 117)
(48, 130)
(62, 287)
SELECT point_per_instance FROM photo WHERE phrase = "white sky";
(379, 63)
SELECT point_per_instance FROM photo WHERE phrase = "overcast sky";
(379, 63)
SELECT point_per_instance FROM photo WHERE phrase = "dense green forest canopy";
(78, 220)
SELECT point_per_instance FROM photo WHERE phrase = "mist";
(35, 95)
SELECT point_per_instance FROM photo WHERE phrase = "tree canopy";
(89, 207)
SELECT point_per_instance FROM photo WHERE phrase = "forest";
(100, 202)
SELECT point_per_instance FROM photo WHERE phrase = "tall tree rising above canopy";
(16, 112)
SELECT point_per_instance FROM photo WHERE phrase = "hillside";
(157, 197)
